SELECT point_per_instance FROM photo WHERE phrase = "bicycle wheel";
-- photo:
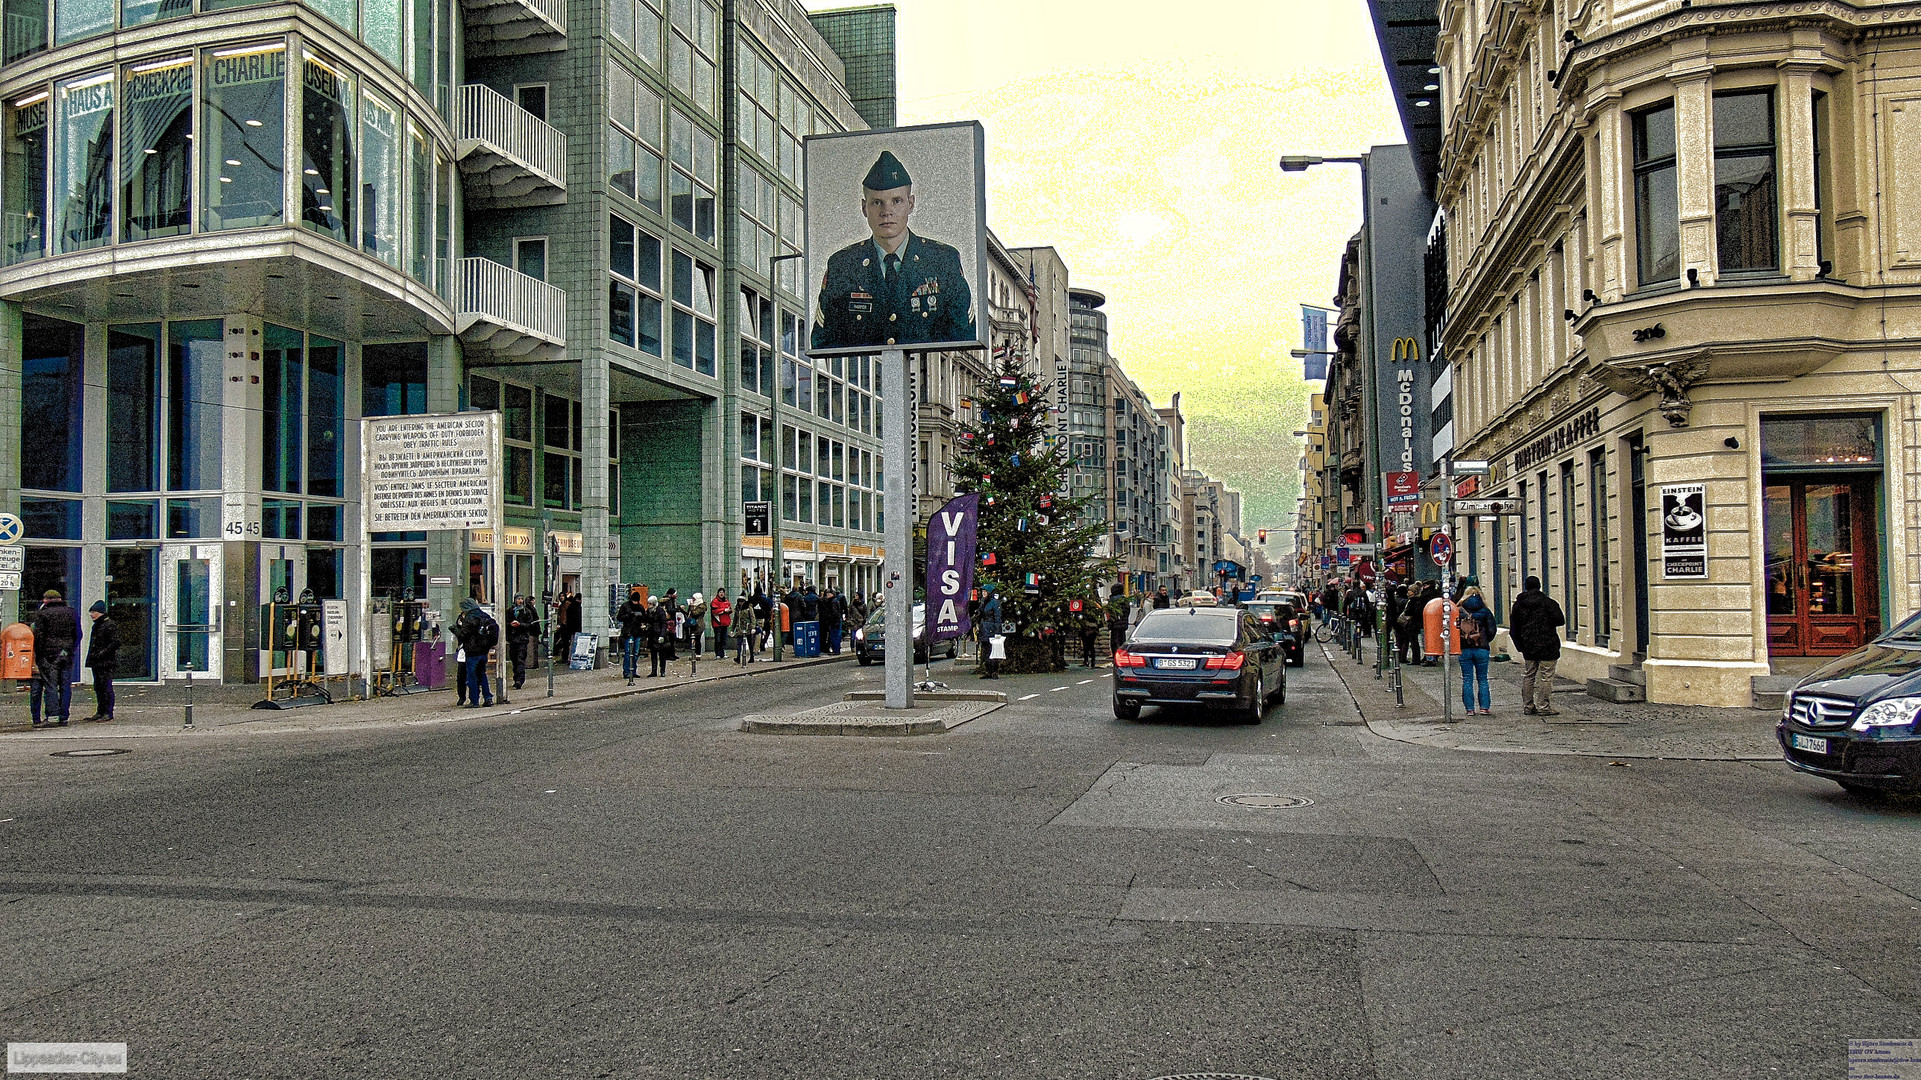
(1321, 633)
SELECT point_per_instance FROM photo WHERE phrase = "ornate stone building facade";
(1684, 323)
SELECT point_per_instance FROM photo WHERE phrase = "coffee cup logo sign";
(1684, 525)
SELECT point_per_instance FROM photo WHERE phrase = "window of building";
(532, 97)
(1745, 207)
(695, 177)
(327, 175)
(636, 24)
(694, 328)
(634, 294)
(23, 190)
(1569, 578)
(634, 141)
(757, 356)
(1657, 221)
(1599, 545)
(692, 49)
(83, 161)
(379, 178)
(133, 407)
(1823, 186)
(196, 384)
(51, 393)
(156, 185)
(243, 160)
(393, 379)
(283, 408)
(530, 256)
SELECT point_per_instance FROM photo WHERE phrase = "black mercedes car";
(1219, 657)
(1854, 721)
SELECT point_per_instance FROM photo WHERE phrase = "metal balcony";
(503, 312)
(509, 156)
(514, 27)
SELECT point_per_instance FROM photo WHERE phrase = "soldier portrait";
(895, 285)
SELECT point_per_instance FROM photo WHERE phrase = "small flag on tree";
(1020, 525)
(1021, 397)
(1008, 382)
(1017, 461)
(1034, 583)
(990, 559)
(1047, 501)
(967, 403)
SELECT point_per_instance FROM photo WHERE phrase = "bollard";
(189, 709)
(1399, 701)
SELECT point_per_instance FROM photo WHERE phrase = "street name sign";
(1487, 507)
(1468, 467)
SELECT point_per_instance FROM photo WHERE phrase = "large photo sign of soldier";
(896, 238)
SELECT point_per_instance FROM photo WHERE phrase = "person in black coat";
(523, 625)
(636, 633)
(660, 627)
(1533, 626)
(103, 652)
(56, 634)
(832, 610)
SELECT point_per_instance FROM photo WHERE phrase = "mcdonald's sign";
(1406, 418)
(1430, 513)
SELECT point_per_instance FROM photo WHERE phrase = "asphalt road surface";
(638, 889)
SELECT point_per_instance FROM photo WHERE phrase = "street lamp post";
(777, 566)
(1370, 407)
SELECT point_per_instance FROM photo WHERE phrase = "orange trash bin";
(1431, 629)
(16, 652)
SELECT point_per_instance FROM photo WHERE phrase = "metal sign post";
(552, 571)
(897, 568)
(1447, 586)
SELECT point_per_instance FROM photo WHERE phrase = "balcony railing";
(510, 156)
(502, 311)
(512, 27)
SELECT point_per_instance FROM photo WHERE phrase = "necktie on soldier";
(892, 264)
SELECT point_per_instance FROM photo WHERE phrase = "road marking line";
(1030, 696)
(1083, 682)
(1057, 689)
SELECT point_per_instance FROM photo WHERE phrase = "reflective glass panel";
(133, 407)
(379, 179)
(243, 159)
(326, 149)
(326, 416)
(83, 161)
(156, 139)
(420, 202)
(283, 398)
(51, 393)
(76, 19)
(23, 178)
(195, 382)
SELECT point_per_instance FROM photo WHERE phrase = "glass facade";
(108, 157)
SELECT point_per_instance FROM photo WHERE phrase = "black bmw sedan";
(1854, 721)
(1219, 657)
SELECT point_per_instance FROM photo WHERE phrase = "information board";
(431, 472)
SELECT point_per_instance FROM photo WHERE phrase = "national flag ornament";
(1008, 382)
(1047, 501)
(990, 559)
(1017, 461)
(967, 403)
(1021, 396)
(1020, 525)
(1033, 582)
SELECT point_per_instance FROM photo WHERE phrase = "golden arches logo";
(1405, 348)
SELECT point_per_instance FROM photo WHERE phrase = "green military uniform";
(916, 296)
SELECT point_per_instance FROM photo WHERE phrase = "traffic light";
(1261, 534)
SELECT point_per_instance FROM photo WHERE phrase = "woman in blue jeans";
(1475, 625)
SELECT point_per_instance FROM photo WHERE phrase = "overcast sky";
(1140, 140)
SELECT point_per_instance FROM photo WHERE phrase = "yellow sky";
(1140, 140)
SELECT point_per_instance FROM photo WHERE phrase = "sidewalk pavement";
(1587, 725)
(136, 718)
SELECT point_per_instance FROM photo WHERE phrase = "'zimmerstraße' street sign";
(1487, 507)
(432, 472)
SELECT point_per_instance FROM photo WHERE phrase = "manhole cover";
(95, 752)
(1260, 802)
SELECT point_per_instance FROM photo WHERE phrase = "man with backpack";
(1533, 625)
(477, 633)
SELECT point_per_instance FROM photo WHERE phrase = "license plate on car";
(1177, 664)
(1810, 744)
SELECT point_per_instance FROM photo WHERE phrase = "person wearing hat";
(477, 633)
(56, 634)
(896, 287)
(103, 651)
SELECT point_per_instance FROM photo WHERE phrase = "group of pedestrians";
(1533, 627)
(56, 639)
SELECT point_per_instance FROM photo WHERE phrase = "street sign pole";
(897, 567)
(1447, 592)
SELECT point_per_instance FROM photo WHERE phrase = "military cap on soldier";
(886, 174)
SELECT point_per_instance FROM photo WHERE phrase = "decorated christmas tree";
(1036, 543)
